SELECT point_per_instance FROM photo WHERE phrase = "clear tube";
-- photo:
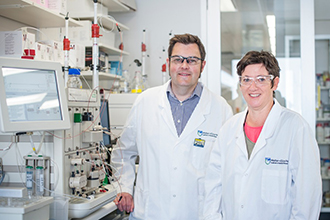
(29, 180)
(40, 181)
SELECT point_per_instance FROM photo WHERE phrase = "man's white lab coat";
(169, 182)
(281, 180)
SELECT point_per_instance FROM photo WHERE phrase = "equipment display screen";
(31, 94)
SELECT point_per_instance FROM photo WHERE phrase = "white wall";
(158, 18)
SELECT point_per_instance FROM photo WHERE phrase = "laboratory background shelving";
(323, 100)
(32, 14)
(102, 75)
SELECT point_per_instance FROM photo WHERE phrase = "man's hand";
(124, 202)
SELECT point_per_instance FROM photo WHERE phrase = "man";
(172, 128)
(265, 163)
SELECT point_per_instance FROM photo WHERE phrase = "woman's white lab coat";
(281, 180)
(169, 182)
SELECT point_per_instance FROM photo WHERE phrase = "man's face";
(184, 74)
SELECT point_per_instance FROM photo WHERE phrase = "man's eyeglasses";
(259, 80)
(177, 59)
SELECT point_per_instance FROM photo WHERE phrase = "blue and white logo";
(269, 160)
(206, 134)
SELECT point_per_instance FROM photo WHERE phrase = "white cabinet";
(119, 107)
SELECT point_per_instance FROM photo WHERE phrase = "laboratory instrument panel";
(84, 158)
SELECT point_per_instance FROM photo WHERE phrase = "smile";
(254, 95)
(184, 74)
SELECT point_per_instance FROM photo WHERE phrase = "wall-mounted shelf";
(324, 88)
(102, 75)
(325, 209)
(102, 21)
(110, 50)
(115, 6)
(322, 119)
(32, 14)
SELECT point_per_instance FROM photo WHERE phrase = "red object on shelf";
(29, 52)
(27, 57)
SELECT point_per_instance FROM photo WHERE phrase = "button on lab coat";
(280, 181)
(171, 170)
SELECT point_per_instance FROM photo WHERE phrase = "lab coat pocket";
(141, 199)
(274, 186)
(200, 154)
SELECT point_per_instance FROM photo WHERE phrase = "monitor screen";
(105, 120)
(32, 96)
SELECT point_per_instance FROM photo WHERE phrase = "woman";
(265, 162)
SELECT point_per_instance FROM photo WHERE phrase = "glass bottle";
(74, 80)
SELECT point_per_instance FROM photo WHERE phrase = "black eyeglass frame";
(185, 58)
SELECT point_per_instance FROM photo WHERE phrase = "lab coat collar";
(266, 132)
(198, 116)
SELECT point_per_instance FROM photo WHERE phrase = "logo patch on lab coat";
(199, 142)
(206, 134)
(269, 160)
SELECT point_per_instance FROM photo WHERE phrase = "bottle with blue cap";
(74, 80)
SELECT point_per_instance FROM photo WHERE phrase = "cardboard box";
(40, 51)
(57, 49)
(43, 3)
(59, 6)
(77, 56)
(47, 34)
(13, 43)
(83, 35)
(85, 9)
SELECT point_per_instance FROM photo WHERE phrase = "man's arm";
(123, 160)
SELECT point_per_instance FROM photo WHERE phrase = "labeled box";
(13, 43)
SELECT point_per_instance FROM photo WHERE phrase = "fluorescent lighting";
(227, 6)
(271, 23)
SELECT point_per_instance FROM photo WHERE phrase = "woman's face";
(257, 95)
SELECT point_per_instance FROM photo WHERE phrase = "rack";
(32, 14)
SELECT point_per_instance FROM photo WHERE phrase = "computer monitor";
(105, 120)
(32, 96)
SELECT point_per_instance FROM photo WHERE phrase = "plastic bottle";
(74, 80)
(40, 180)
(29, 180)
(319, 132)
(326, 132)
(320, 111)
